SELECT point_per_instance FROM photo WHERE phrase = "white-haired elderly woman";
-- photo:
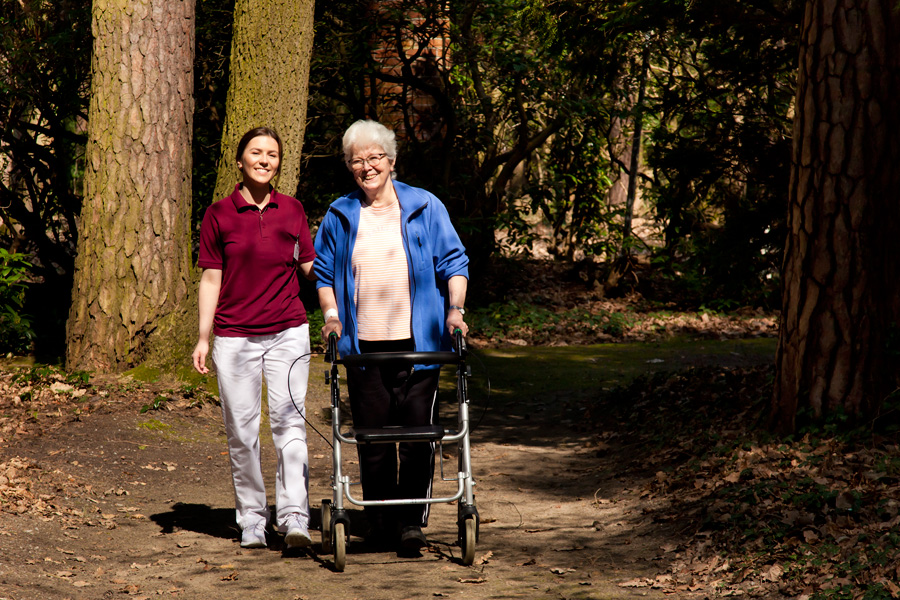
(392, 277)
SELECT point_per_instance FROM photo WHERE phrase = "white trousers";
(240, 365)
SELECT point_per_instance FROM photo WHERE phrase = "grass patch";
(519, 371)
(154, 425)
(144, 373)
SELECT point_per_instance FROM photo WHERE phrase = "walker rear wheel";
(467, 535)
(340, 547)
(326, 527)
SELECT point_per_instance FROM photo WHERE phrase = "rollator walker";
(335, 517)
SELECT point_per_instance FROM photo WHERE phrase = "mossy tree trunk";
(268, 83)
(133, 262)
(837, 348)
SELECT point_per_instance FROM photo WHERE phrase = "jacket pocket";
(420, 251)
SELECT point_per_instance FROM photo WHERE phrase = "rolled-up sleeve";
(450, 257)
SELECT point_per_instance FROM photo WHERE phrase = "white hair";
(365, 133)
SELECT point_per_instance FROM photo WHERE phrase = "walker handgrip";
(461, 348)
(331, 353)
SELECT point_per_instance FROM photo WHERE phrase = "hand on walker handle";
(332, 326)
(455, 321)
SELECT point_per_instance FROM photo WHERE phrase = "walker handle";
(461, 348)
(331, 354)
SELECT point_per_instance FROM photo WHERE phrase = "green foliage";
(16, 329)
(525, 129)
(466, 124)
(37, 374)
(198, 393)
(44, 79)
(719, 146)
(45, 52)
(158, 403)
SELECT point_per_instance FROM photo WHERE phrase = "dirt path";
(131, 505)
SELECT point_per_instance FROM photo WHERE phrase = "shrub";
(16, 331)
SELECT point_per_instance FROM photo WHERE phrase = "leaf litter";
(812, 516)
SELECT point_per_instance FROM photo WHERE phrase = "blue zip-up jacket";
(434, 254)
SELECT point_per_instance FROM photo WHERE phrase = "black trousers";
(396, 395)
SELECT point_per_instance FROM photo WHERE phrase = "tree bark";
(268, 84)
(133, 262)
(837, 346)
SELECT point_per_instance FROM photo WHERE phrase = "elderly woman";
(392, 277)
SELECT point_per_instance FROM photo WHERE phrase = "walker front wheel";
(467, 534)
(340, 547)
(326, 527)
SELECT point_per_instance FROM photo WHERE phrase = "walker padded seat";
(421, 433)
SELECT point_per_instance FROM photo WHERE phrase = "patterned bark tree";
(133, 260)
(268, 83)
(841, 300)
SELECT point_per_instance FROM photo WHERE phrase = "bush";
(16, 331)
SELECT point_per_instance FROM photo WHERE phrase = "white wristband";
(331, 312)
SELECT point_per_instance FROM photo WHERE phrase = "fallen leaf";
(773, 573)
(844, 501)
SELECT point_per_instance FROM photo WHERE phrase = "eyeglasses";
(373, 160)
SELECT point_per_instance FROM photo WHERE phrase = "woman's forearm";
(457, 286)
(210, 286)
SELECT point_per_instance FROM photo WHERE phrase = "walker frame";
(335, 517)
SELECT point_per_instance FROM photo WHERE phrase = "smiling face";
(372, 178)
(260, 161)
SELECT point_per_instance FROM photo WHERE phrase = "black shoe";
(412, 538)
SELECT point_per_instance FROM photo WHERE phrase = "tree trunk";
(622, 266)
(268, 86)
(635, 162)
(133, 262)
(841, 302)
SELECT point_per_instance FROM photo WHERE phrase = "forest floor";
(628, 470)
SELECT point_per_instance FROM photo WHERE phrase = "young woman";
(392, 277)
(253, 243)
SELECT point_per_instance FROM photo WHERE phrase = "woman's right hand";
(201, 350)
(332, 325)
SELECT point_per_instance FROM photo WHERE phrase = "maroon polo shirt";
(255, 250)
